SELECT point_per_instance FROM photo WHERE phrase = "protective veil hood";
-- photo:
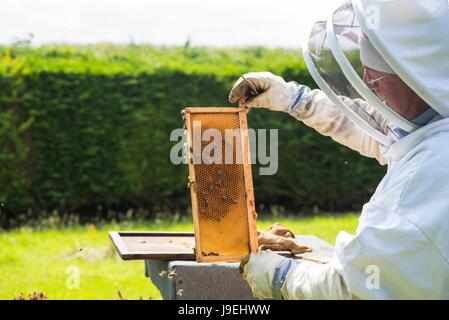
(413, 38)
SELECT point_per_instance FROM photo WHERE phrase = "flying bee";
(172, 274)
(162, 273)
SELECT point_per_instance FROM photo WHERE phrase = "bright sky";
(271, 23)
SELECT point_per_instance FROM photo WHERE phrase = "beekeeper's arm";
(264, 89)
(271, 276)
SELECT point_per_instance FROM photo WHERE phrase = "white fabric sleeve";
(310, 280)
(318, 112)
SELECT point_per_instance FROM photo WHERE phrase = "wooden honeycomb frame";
(225, 229)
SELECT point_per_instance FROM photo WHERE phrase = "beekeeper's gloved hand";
(265, 273)
(266, 90)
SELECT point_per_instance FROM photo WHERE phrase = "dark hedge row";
(88, 141)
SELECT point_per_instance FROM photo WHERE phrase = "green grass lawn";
(48, 260)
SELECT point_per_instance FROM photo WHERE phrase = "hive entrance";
(221, 183)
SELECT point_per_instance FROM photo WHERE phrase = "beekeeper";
(383, 70)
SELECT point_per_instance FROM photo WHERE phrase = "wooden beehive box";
(221, 185)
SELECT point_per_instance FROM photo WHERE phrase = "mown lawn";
(48, 260)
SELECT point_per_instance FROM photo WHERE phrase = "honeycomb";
(221, 184)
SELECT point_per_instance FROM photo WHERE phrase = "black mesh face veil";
(346, 40)
(331, 79)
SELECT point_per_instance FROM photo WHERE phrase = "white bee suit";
(318, 112)
(401, 246)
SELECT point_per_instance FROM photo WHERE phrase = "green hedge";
(87, 128)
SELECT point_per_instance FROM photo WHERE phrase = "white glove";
(263, 90)
(259, 272)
